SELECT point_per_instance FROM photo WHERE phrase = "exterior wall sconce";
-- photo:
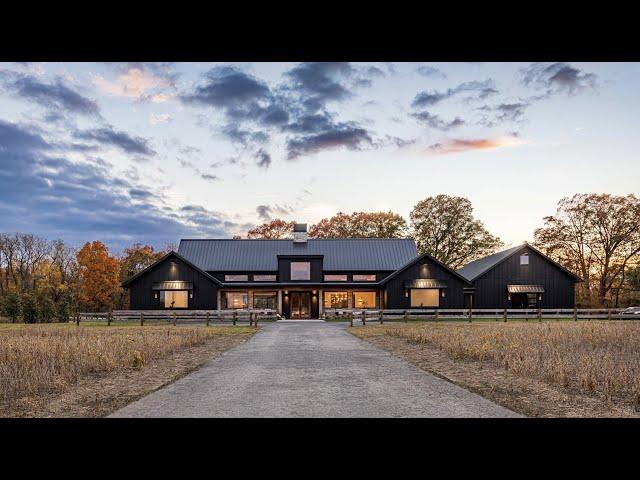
(286, 292)
(444, 293)
(406, 293)
(156, 295)
(539, 297)
(315, 292)
(508, 296)
(190, 294)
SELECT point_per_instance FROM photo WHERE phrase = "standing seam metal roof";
(339, 254)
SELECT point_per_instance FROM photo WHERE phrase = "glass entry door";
(300, 305)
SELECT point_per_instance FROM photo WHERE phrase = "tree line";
(597, 236)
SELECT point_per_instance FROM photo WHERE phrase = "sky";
(155, 152)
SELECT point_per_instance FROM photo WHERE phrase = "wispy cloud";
(458, 145)
(138, 81)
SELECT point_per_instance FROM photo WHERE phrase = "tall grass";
(600, 358)
(47, 358)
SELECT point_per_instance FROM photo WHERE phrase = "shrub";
(11, 306)
(29, 308)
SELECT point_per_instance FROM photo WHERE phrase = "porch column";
(349, 299)
(219, 302)
(320, 303)
(280, 301)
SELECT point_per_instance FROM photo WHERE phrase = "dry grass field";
(598, 359)
(48, 359)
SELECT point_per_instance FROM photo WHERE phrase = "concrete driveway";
(309, 369)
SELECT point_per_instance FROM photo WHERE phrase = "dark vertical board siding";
(204, 289)
(491, 287)
(425, 269)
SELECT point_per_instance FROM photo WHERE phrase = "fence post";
(141, 319)
(250, 319)
(364, 317)
(78, 319)
(406, 315)
(381, 314)
(351, 318)
(109, 319)
(255, 319)
(175, 321)
(235, 316)
(539, 315)
(609, 314)
(207, 319)
(505, 315)
(437, 315)
(470, 315)
(575, 314)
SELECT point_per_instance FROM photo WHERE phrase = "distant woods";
(47, 281)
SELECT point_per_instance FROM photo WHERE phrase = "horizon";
(153, 153)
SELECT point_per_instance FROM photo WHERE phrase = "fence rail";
(363, 317)
(182, 317)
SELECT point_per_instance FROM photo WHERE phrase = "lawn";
(582, 362)
(39, 362)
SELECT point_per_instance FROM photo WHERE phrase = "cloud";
(209, 177)
(263, 159)
(50, 195)
(140, 81)
(475, 90)
(462, 145)
(155, 119)
(430, 72)
(558, 78)
(56, 97)
(109, 137)
(346, 135)
(267, 212)
(295, 108)
(434, 121)
(504, 112)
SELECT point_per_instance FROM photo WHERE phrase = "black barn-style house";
(301, 277)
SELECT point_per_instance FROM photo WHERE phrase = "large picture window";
(235, 300)
(300, 271)
(336, 300)
(364, 299)
(265, 300)
(174, 298)
(425, 297)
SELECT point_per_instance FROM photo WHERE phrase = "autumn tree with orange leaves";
(360, 225)
(99, 275)
(274, 229)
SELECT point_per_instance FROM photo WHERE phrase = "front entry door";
(300, 305)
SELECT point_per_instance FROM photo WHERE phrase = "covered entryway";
(300, 305)
(525, 296)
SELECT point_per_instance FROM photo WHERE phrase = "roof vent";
(300, 233)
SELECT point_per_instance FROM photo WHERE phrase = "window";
(335, 278)
(364, 278)
(236, 278)
(264, 278)
(174, 298)
(336, 300)
(425, 297)
(300, 271)
(364, 299)
(265, 300)
(524, 259)
(235, 300)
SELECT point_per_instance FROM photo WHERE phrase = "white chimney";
(300, 233)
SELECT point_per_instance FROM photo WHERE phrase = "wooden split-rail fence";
(362, 317)
(179, 317)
